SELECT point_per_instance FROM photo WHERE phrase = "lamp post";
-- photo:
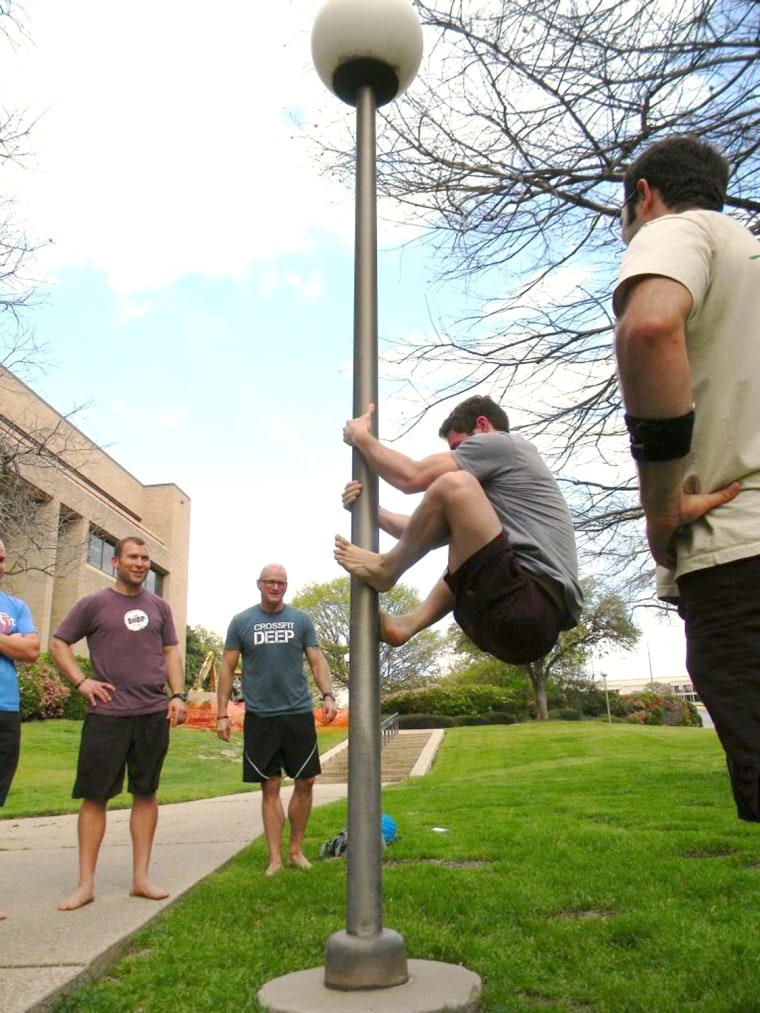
(607, 698)
(367, 52)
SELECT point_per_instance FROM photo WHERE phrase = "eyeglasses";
(274, 583)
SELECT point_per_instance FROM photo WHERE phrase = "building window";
(154, 582)
(100, 552)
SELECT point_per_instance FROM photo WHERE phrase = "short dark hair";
(465, 415)
(134, 539)
(688, 172)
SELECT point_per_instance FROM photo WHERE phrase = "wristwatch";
(180, 696)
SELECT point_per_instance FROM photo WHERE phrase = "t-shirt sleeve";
(483, 455)
(232, 641)
(309, 634)
(674, 246)
(169, 636)
(24, 621)
(76, 624)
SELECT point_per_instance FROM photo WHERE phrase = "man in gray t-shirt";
(512, 578)
(279, 731)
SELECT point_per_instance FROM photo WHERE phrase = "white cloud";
(166, 147)
(129, 309)
(310, 287)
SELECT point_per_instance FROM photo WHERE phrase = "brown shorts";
(501, 607)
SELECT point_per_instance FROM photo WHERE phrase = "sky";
(196, 279)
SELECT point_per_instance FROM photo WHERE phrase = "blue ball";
(388, 827)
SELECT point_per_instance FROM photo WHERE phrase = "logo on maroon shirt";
(136, 620)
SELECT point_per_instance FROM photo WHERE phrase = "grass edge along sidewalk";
(583, 867)
(198, 765)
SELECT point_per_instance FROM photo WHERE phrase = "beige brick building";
(76, 502)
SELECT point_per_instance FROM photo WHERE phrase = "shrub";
(470, 719)
(53, 695)
(589, 700)
(453, 700)
(656, 709)
(74, 706)
(569, 714)
(44, 694)
(425, 721)
(500, 718)
(30, 691)
(680, 713)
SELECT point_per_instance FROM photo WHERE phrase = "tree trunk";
(538, 678)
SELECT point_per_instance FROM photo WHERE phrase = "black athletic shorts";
(501, 607)
(10, 742)
(721, 609)
(110, 745)
(286, 741)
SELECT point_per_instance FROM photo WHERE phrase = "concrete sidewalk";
(43, 950)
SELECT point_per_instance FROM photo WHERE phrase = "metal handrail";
(388, 729)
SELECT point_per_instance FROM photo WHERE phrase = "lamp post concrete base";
(432, 987)
(359, 962)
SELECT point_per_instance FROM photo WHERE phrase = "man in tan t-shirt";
(688, 333)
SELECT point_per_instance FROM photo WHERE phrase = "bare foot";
(395, 630)
(78, 898)
(298, 858)
(274, 868)
(369, 566)
(148, 890)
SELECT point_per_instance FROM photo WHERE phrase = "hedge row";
(445, 707)
(446, 721)
(44, 694)
(457, 701)
(655, 709)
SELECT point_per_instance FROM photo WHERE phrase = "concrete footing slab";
(433, 987)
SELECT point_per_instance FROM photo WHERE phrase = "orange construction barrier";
(340, 720)
(203, 715)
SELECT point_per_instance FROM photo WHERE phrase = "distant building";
(80, 502)
(679, 684)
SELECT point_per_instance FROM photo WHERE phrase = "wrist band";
(660, 439)
(325, 696)
(224, 717)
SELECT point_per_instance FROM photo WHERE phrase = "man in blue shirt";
(19, 641)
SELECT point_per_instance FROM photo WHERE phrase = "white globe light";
(367, 42)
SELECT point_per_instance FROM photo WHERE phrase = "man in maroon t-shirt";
(133, 650)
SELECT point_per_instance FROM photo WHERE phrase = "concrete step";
(397, 760)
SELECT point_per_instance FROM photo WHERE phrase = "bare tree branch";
(510, 148)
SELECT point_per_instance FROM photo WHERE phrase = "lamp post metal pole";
(364, 903)
(365, 955)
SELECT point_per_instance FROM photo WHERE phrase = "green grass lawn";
(585, 868)
(199, 765)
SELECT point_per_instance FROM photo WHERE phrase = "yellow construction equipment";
(207, 671)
